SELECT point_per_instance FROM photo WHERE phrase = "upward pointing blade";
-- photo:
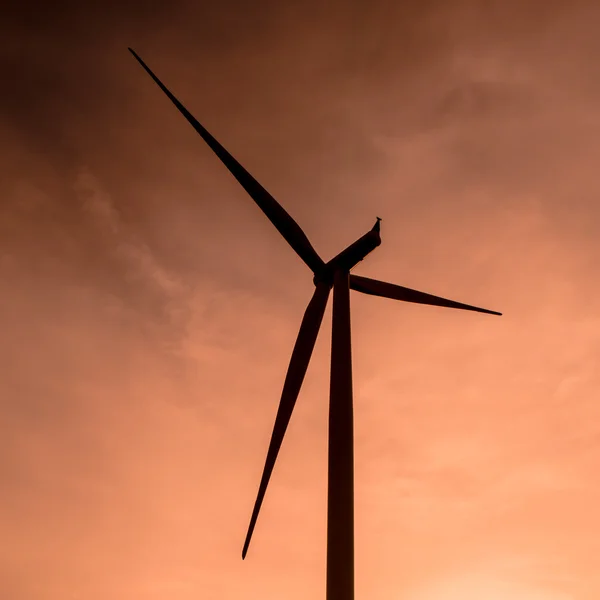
(284, 223)
(301, 354)
(397, 292)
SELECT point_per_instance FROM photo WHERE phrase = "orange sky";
(149, 309)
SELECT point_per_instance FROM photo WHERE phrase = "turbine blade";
(301, 354)
(397, 292)
(283, 222)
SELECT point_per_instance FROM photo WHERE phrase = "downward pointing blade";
(397, 292)
(284, 223)
(301, 354)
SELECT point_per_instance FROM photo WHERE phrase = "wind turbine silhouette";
(334, 274)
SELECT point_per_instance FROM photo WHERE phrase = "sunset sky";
(148, 309)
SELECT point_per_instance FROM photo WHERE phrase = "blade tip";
(135, 55)
(487, 311)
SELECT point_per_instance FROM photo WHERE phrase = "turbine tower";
(334, 274)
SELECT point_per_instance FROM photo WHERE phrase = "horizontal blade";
(301, 354)
(284, 223)
(397, 292)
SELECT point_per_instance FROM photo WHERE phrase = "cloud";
(149, 309)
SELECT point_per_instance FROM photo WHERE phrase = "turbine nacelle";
(351, 256)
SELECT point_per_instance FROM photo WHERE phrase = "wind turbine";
(334, 274)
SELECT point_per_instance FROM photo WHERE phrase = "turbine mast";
(340, 476)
